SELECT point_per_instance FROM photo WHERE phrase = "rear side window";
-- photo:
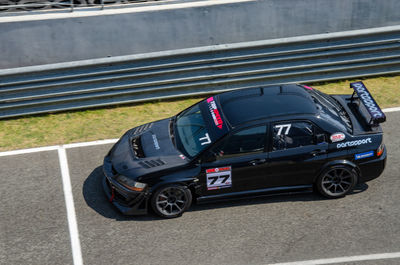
(250, 140)
(331, 110)
(292, 134)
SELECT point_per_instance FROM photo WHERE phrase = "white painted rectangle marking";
(100, 142)
(69, 203)
(391, 109)
(28, 151)
(56, 147)
(380, 256)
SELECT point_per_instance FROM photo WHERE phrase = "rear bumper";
(126, 201)
(372, 168)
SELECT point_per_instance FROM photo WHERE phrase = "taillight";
(380, 150)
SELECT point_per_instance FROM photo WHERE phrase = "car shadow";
(307, 195)
(95, 198)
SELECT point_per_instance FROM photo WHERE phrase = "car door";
(298, 150)
(237, 163)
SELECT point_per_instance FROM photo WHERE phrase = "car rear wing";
(377, 115)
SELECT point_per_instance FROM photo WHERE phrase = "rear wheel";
(171, 201)
(337, 181)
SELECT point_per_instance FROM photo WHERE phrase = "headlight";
(130, 184)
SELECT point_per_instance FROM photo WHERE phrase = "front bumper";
(372, 168)
(126, 201)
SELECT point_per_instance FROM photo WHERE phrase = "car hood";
(146, 149)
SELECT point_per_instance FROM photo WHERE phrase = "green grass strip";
(106, 123)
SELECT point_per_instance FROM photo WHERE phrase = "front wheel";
(336, 181)
(171, 201)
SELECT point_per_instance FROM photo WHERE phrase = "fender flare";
(189, 181)
(338, 162)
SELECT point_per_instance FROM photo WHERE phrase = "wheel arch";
(186, 177)
(189, 182)
(335, 163)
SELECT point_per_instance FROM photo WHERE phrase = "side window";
(292, 134)
(250, 140)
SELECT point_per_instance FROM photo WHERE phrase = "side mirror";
(320, 138)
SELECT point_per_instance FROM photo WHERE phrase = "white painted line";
(380, 256)
(27, 151)
(69, 203)
(100, 142)
(56, 147)
(391, 109)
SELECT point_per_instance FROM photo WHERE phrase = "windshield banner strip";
(377, 115)
(215, 113)
(213, 116)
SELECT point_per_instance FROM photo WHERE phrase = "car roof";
(244, 105)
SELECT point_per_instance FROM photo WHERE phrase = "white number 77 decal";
(219, 178)
(280, 127)
(206, 138)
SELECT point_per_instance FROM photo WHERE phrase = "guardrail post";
(102, 4)
(71, 3)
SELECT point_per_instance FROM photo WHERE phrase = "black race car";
(248, 142)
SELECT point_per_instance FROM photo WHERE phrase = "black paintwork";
(245, 105)
(157, 162)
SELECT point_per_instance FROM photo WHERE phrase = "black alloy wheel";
(337, 181)
(171, 201)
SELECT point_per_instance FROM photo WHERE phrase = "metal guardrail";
(34, 5)
(198, 71)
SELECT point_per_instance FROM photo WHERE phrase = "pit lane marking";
(28, 151)
(69, 203)
(380, 256)
(391, 109)
(56, 147)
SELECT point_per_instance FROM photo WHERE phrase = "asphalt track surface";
(34, 221)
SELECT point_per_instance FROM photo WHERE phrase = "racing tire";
(336, 181)
(171, 201)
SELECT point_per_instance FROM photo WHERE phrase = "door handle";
(257, 161)
(318, 152)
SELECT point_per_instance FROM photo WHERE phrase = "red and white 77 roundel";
(218, 178)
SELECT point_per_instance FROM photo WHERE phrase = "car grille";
(152, 163)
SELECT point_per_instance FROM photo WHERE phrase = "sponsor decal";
(363, 155)
(219, 178)
(337, 137)
(155, 141)
(212, 105)
(182, 156)
(307, 87)
(368, 101)
(354, 143)
(205, 140)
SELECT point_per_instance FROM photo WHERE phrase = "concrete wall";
(33, 40)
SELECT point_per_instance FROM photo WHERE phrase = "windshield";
(191, 132)
(331, 110)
